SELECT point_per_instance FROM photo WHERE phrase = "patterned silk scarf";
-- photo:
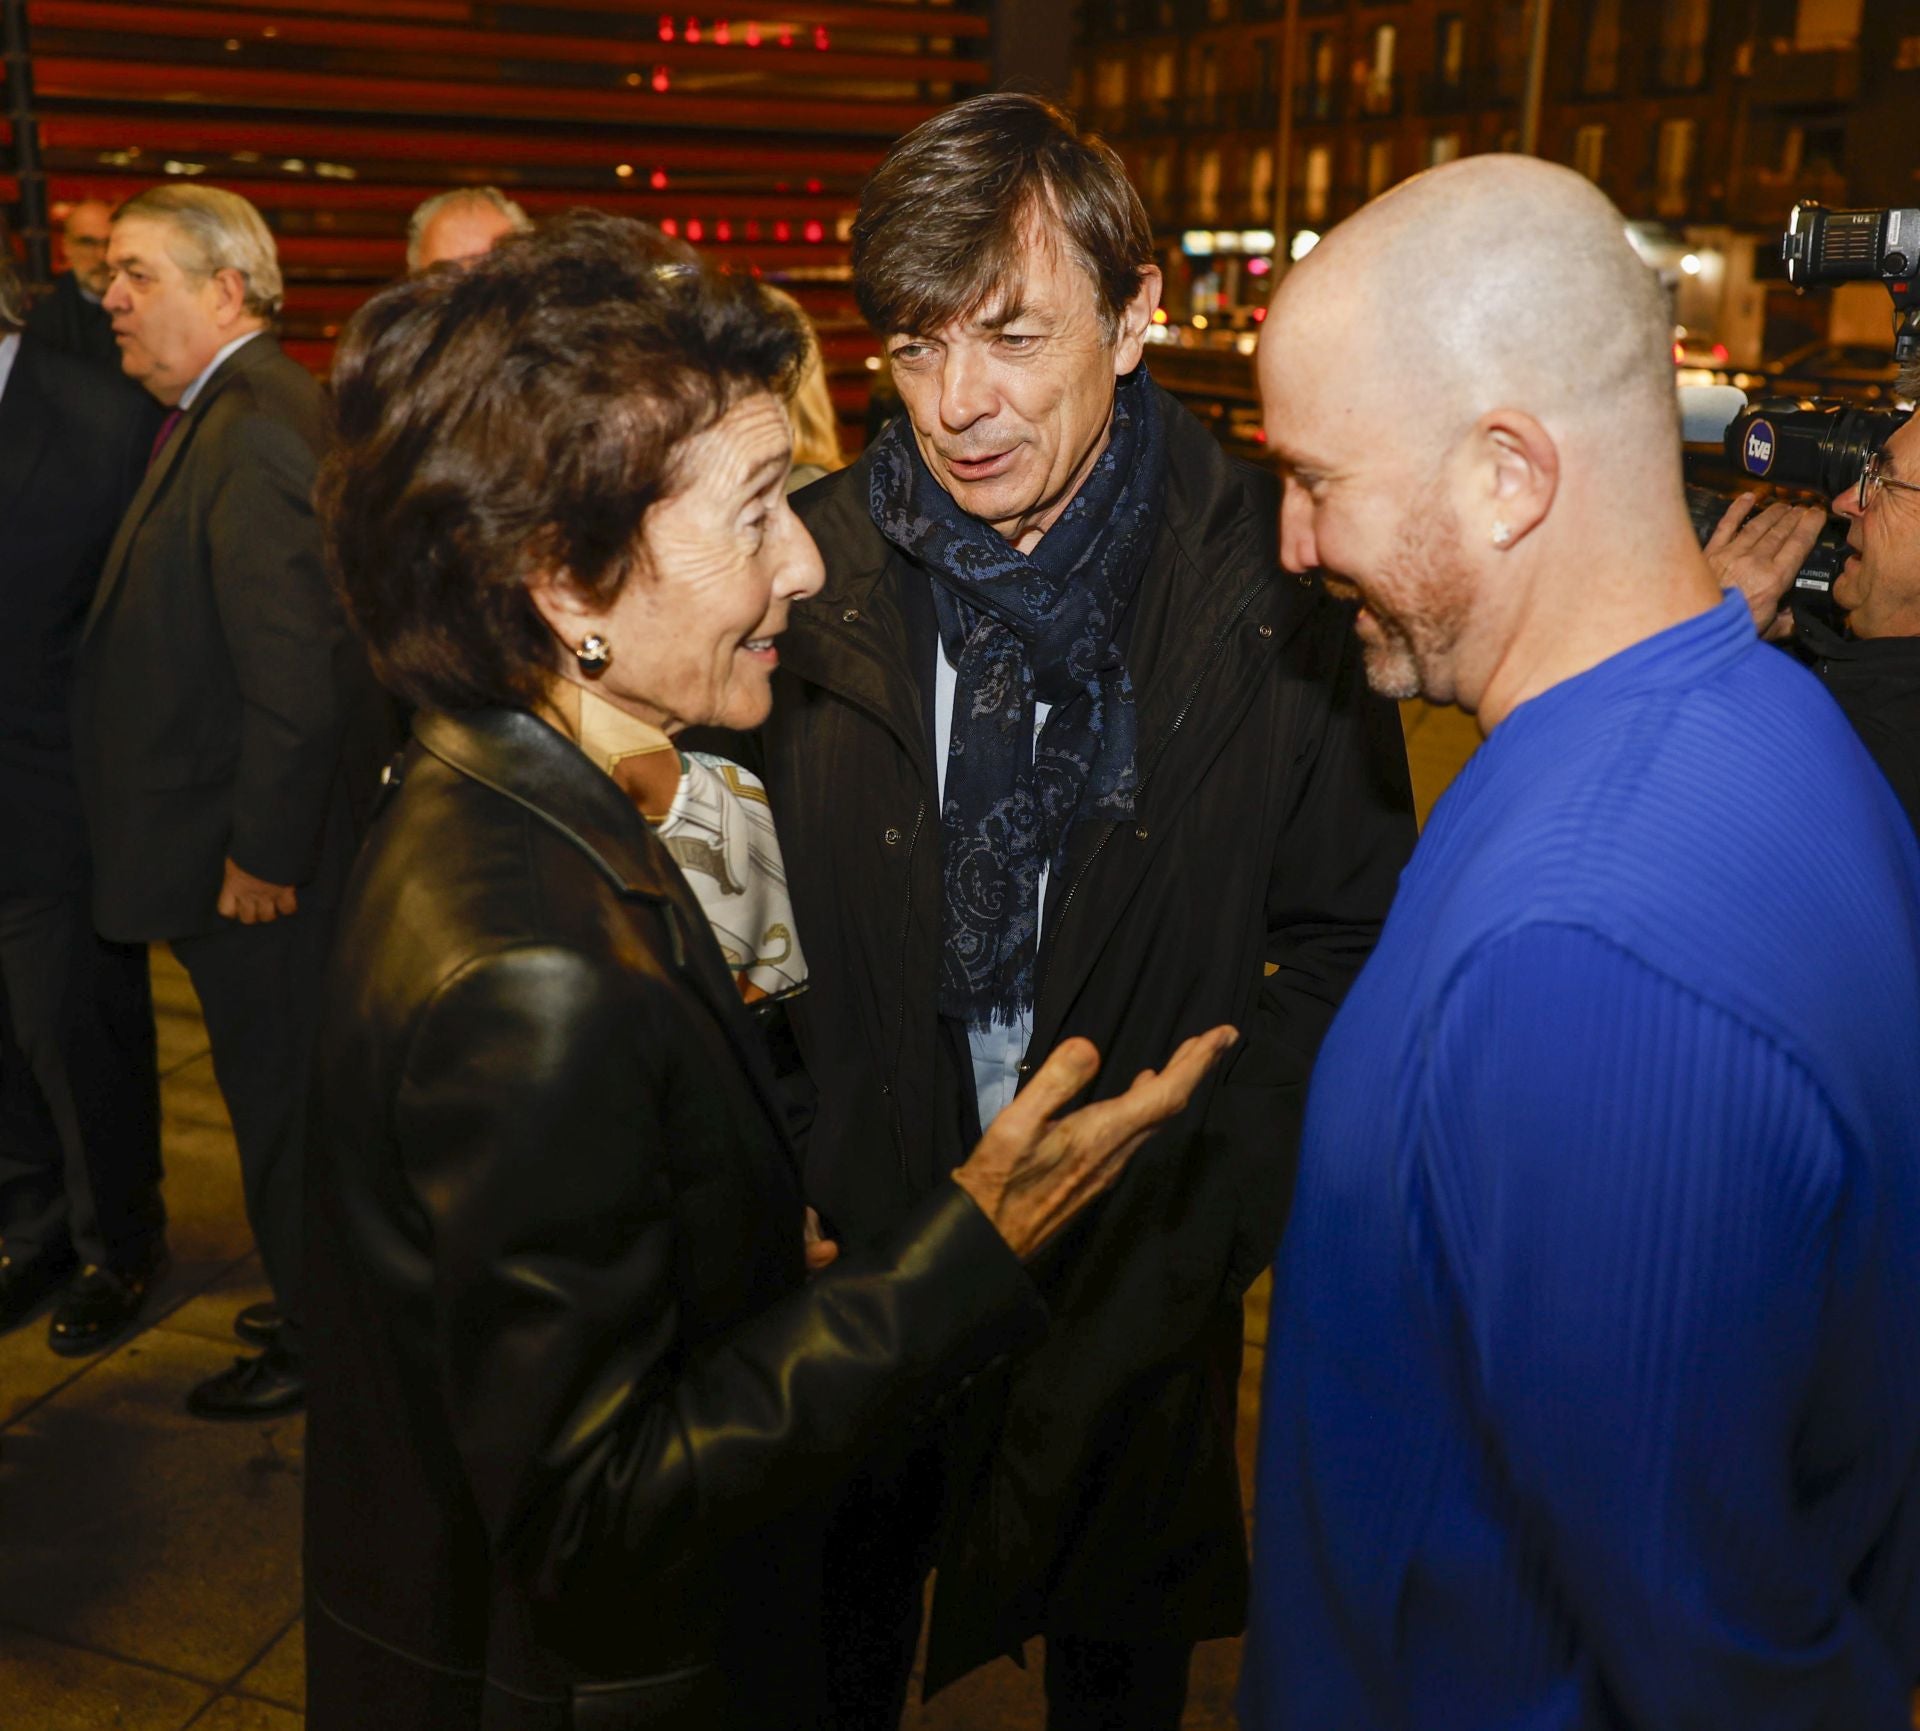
(713, 817)
(1018, 627)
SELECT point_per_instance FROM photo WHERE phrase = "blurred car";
(1700, 359)
(1826, 369)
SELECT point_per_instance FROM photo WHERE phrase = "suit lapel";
(116, 565)
(159, 469)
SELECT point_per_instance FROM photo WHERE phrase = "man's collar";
(9, 352)
(193, 390)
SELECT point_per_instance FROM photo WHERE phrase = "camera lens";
(1820, 446)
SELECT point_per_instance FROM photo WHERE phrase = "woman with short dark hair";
(575, 1401)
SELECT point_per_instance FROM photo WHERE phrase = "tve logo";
(1756, 455)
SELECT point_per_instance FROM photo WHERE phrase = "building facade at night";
(1702, 119)
(747, 131)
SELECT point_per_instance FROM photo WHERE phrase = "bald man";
(71, 319)
(460, 226)
(1593, 1393)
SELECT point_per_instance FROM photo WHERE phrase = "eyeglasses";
(1874, 476)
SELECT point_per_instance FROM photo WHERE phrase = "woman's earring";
(1501, 535)
(593, 654)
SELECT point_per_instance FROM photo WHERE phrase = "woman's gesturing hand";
(1033, 1171)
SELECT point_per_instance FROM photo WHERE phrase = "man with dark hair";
(1059, 751)
(80, 1209)
(213, 689)
(71, 319)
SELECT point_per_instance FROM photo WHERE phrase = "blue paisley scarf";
(1018, 627)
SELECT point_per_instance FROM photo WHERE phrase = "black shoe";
(263, 1387)
(102, 1304)
(23, 1283)
(259, 1324)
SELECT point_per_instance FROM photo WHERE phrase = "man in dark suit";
(72, 319)
(79, 1093)
(212, 693)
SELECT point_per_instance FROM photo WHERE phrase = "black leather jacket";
(573, 1400)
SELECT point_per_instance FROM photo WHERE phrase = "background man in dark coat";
(72, 319)
(212, 693)
(1059, 751)
(79, 1093)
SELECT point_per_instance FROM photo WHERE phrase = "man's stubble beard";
(1428, 568)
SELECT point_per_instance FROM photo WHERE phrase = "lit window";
(1603, 47)
(1683, 43)
(1590, 151)
(1206, 185)
(1674, 167)
(1379, 166)
(1380, 70)
(1827, 24)
(1260, 182)
(1318, 183)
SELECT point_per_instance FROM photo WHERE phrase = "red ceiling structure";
(746, 131)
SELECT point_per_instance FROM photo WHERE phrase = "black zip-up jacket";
(1876, 682)
(1273, 818)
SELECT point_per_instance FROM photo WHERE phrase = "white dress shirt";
(194, 389)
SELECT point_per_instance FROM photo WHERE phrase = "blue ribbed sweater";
(1593, 1389)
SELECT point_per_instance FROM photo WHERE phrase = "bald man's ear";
(1135, 317)
(1521, 466)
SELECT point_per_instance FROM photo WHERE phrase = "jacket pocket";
(694, 1699)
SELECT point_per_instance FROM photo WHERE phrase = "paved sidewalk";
(149, 1561)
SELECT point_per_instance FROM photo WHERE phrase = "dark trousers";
(259, 989)
(79, 1088)
(881, 1547)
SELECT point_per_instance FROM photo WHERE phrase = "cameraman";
(1873, 669)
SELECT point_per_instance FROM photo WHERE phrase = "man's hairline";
(171, 226)
(1054, 234)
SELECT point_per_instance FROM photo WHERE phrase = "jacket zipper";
(1186, 708)
(900, 1006)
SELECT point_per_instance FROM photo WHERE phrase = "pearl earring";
(594, 654)
(1502, 535)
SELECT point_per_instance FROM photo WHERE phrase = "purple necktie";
(172, 420)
